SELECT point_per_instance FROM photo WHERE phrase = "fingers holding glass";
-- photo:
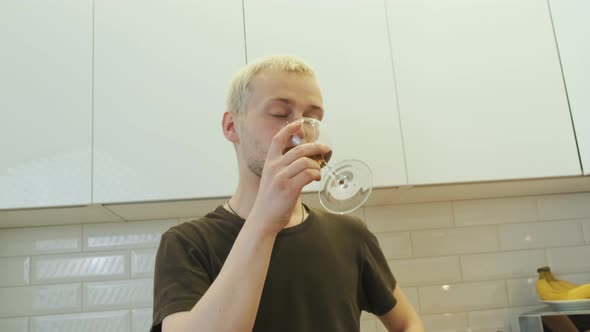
(283, 138)
(345, 185)
(314, 151)
(309, 132)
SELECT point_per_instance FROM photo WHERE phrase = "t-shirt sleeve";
(180, 277)
(377, 281)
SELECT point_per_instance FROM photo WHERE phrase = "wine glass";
(345, 185)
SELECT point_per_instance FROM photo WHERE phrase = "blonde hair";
(239, 89)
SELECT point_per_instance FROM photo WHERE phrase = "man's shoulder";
(347, 222)
(203, 228)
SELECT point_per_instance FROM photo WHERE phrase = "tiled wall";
(471, 265)
(465, 265)
(82, 278)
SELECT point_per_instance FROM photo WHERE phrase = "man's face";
(275, 99)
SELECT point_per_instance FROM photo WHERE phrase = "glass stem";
(331, 171)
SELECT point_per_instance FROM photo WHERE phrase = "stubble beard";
(256, 166)
(255, 157)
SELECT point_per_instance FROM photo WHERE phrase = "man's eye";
(280, 115)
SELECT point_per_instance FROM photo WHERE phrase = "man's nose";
(307, 132)
(300, 134)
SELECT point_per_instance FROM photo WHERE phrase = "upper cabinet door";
(162, 70)
(45, 103)
(572, 29)
(347, 44)
(480, 90)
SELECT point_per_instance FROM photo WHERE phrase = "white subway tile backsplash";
(454, 241)
(569, 259)
(466, 266)
(462, 297)
(40, 240)
(143, 262)
(540, 235)
(15, 271)
(568, 206)
(20, 324)
(22, 301)
(77, 267)
(118, 294)
(578, 278)
(56, 298)
(141, 320)
(498, 328)
(586, 226)
(359, 213)
(489, 329)
(409, 217)
(412, 294)
(134, 234)
(421, 271)
(492, 320)
(395, 245)
(502, 265)
(448, 322)
(369, 325)
(112, 321)
(495, 211)
(522, 292)
(366, 315)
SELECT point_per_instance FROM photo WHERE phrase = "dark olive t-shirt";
(322, 272)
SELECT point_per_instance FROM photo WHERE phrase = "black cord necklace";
(232, 210)
(235, 213)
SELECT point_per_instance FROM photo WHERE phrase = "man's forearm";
(232, 300)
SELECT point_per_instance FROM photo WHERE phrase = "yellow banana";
(578, 293)
(562, 285)
(557, 283)
(552, 289)
(546, 291)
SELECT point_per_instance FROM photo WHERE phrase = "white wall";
(98, 277)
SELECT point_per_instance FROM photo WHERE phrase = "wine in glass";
(345, 185)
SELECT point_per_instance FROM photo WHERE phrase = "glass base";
(345, 186)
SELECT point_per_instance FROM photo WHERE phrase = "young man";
(264, 261)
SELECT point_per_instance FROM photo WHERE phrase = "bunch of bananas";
(550, 288)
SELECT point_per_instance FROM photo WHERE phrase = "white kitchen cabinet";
(572, 30)
(480, 91)
(347, 44)
(45, 103)
(162, 69)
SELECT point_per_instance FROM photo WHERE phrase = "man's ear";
(229, 127)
